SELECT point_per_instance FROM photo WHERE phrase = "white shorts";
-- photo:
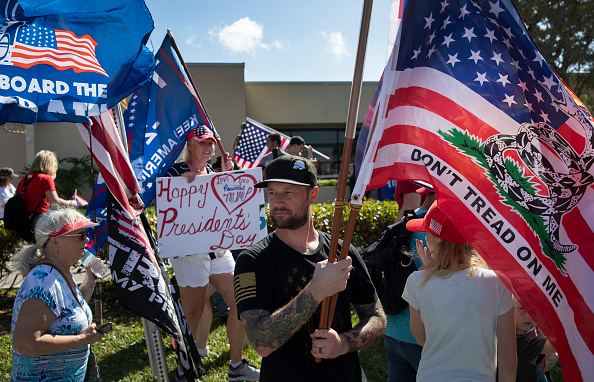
(194, 270)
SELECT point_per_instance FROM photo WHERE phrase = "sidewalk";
(77, 271)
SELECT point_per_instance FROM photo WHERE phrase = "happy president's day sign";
(216, 212)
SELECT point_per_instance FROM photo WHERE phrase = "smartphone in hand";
(104, 328)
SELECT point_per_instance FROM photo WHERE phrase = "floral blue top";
(48, 285)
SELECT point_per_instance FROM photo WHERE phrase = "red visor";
(72, 227)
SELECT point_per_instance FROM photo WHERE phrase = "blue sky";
(308, 40)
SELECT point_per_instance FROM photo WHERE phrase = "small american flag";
(35, 45)
(79, 201)
(435, 227)
(252, 144)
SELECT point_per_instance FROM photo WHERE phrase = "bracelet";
(83, 284)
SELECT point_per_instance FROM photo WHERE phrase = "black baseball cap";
(290, 169)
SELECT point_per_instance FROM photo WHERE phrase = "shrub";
(372, 220)
(78, 176)
(327, 182)
(9, 245)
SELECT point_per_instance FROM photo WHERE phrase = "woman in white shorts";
(194, 272)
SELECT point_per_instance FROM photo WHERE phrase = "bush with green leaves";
(78, 176)
(9, 245)
(328, 182)
(372, 220)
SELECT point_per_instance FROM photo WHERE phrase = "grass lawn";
(123, 353)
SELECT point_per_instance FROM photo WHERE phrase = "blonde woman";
(51, 321)
(194, 272)
(459, 310)
(40, 189)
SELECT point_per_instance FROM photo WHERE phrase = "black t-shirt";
(268, 275)
(529, 355)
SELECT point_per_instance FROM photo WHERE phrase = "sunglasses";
(83, 236)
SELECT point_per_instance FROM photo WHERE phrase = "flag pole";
(97, 288)
(219, 143)
(329, 303)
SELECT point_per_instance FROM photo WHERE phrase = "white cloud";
(191, 40)
(277, 44)
(243, 36)
(337, 44)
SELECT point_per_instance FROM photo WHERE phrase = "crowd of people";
(461, 322)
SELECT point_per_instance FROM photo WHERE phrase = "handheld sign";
(216, 212)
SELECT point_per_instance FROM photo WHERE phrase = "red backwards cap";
(437, 223)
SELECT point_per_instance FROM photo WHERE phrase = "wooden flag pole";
(329, 303)
(219, 143)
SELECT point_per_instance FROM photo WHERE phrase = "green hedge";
(328, 182)
(372, 220)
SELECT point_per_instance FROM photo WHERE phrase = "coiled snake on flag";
(565, 189)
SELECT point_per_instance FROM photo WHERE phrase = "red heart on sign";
(233, 192)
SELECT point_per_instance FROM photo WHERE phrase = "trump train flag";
(69, 60)
(469, 105)
(97, 212)
(158, 117)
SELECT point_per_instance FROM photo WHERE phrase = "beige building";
(317, 111)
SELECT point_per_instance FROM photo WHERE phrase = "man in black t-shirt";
(281, 280)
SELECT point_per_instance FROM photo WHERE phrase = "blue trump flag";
(68, 60)
(97, 212)
(158, 117)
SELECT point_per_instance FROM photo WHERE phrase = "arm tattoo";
(269, 331)
(371, 326)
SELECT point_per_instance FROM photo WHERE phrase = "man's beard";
(293, 222)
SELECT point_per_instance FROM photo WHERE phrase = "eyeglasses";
(83, 236)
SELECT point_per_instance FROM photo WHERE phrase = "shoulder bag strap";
(26, 183)
(23, 192)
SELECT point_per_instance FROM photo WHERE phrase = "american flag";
(142, 284)
(113, 162)
(80, 202)
(35, 45)
(252, 144)
(469, 105)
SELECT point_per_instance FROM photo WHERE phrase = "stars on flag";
(456, 38)
(252, 145)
